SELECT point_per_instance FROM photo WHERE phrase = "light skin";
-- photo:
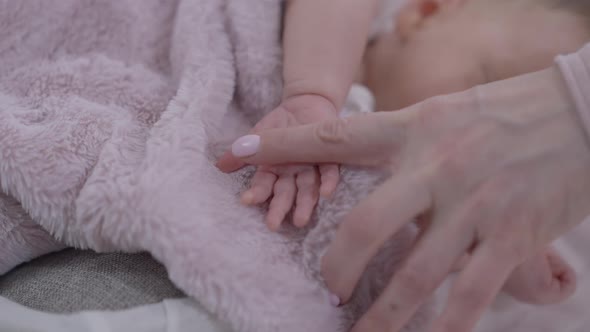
(476, 42)
(480, 195)
(445, 46)
(323, 47)
(451, 140)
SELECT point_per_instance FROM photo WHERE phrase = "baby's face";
(463, 45)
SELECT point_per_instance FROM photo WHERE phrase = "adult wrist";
(532, 98)
(542, 115)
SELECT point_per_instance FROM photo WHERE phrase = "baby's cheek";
(407, 87)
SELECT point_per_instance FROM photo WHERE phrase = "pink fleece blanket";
(111, 115)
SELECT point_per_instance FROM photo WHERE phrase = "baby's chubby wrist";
(310, 102)
(299, 92)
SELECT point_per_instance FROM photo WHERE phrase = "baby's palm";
(292, 184)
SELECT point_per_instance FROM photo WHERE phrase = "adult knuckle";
(333, 131)
(453, 161)
(431, 111)
(488, 200)
(477, 206)
(506, 246)
(436, 111)
(453, 155)
(452, 165)
(480, 205)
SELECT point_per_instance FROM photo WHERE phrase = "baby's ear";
(411, 16)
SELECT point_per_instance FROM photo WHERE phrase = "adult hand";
(497, 172)
(296, 187)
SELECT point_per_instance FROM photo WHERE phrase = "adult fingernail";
(247, 198)
(334, 300)
(245, 146)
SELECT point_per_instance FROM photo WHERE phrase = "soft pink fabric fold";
(111, 115)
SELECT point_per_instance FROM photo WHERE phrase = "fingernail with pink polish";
(334, 300)
(245, 146)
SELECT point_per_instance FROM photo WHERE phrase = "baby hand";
(545, 278)
(290, 185)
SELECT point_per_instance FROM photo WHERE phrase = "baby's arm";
(323, 44)
(324, 41)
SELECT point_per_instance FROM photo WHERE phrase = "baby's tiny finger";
(260, 188)
(282, 202)
(330, 176)
(228, 163)
(307, 196)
